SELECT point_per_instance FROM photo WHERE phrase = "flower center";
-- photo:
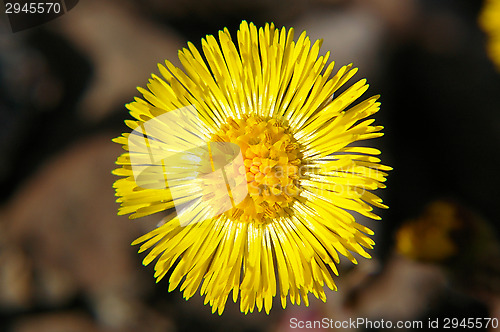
(272, 160)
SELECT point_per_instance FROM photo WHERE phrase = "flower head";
(489, 20)
(429, 237)
(260, 162)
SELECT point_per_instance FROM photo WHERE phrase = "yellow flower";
(489, 20)
(428, 238)
(257, 158)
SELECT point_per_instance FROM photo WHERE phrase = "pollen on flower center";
(272, 161)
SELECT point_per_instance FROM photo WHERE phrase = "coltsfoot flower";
(429, 237)
(293, 148)
(489, 19)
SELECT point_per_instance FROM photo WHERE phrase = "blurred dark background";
(65, 259)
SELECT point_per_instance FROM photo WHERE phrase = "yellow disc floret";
(272, 163)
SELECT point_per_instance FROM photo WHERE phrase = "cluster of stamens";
(272, 161)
